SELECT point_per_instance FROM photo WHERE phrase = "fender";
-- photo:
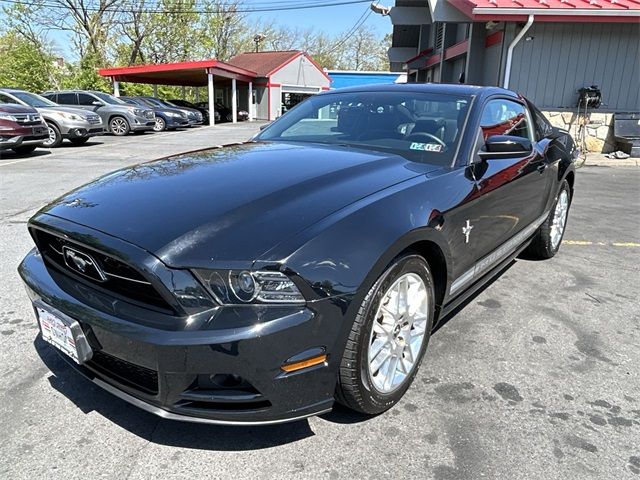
(362, 249)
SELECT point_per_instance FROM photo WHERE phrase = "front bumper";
(141, 124)
(168, 371)
(175, 122)
(23, 136)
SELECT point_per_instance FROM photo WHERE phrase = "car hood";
(166, 110)
(15, 108)
(54, 110)
(229, 205)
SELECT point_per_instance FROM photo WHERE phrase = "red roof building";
(545, 49)
(263, 83)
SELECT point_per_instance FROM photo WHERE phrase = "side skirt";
(452, 305)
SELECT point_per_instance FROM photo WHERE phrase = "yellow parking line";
(601, 244)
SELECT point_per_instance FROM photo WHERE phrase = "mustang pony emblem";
(83, 263)
(466, 231)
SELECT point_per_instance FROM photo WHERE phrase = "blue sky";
(333, 20)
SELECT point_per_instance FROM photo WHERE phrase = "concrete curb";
(599, 160)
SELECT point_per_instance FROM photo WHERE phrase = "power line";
(231, 9)
(363, 18)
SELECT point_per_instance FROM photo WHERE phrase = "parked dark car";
(166, 118)
(203, 110)
(261, 282)
(119, 117)
(74, 124)
(21, 128)
(193, 115)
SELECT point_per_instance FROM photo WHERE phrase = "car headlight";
(8, 116)
(243, 286)
(70, 116)
(174, 114)
(138, 112)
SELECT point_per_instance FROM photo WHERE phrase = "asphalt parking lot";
(536, 377)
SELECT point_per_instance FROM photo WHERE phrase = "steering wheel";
(420, 136)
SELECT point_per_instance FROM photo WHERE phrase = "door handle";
(542, 167)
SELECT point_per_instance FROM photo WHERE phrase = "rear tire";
(24, 150)
(384, 349)
(548, 238)
(55, 137)
(119, 126)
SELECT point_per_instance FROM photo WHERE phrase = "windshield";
(423, 127)
(105, 97)
(34, 100)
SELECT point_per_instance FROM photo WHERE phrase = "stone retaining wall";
(599, 135)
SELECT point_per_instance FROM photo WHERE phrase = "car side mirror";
(262, 127)
(505, 146)
(97, 103)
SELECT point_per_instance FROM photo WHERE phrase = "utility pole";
(257, 39)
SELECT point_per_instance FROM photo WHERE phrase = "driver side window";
(505, 117)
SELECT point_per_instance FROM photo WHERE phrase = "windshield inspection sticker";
(426, 147)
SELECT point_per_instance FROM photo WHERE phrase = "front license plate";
(59, 332)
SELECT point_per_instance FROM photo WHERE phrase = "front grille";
(119, 278)
(27, 118)
(125, 373)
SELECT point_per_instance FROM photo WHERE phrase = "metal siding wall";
(562, 58)
(492, 64)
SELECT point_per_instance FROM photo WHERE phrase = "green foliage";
(25, 65)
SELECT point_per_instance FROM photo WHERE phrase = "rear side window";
(51, 96)
(67, 99)
(543, 127)
(84, 99)
(505, 117)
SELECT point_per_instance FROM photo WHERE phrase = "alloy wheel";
(398, 332)
(52, 137)
(160, 125)
(559, 218)
(118, 126)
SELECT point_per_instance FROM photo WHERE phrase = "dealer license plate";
(59, 332)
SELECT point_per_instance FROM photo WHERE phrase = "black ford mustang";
(261, 282)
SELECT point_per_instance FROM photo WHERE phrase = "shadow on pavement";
(11, 155)
(89, 397)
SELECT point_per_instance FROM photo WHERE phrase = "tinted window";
(84, 99)
(504, 117)
(67, 99)
(51, 96)
(6, 99)
(423, 127)
(543, 127)
(34, 100)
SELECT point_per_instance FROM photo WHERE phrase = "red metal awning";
(192, 74)
(551, 10)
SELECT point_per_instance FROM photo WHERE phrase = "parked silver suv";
(62, 122)
(120, 117)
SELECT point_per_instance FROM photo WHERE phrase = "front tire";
(388, 338)
(119, 126)
(160, 125)
(548, 238)
(55, 137)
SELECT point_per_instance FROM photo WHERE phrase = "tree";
(24, 64)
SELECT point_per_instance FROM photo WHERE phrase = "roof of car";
(444, 88)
